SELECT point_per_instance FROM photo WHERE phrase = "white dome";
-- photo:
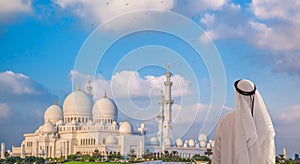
(111, 140)
(153, 141)
(191, 143)
(105, 108)
(53, 114)
(125, 128)
(179, 142)
(77, 102)
(202, 144)
(48, 127)
(202, 137)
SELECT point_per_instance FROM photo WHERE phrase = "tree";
(208, 152)
(198, 157)
(97, 155)
(281, 159)
(40, 160)
(30, 159)
(13, 160)
(148, 155)
(131, 154)
(71, 157)
(175, 155)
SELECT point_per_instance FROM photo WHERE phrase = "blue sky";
(40, 40)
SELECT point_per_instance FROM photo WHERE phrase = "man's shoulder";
(230, 114)
(228, 117)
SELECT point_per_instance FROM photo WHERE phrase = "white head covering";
(254, 131)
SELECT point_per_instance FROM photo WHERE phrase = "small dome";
(202, 144)
(111, 140)
(53, 114)
(191, 143)
(77, 102)
(125, 128)
(153, 141)
(48, 127)
(105, 108)
(179, 142)
(202, 137)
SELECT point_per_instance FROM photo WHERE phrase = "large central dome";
(77, 102)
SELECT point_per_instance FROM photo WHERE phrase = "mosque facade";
(83, 126)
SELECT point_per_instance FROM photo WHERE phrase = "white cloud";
(17, 83)
(132, 84)
(190, 112)
(224, 24)
(4, 110)
(200, 5)
(291, 114)
(208, 20)
(96, 11)
(13, 6)
(285, 10)
(278, 39)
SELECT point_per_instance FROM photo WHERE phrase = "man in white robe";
(245, 135)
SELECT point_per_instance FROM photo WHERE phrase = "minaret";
(160, 118)
(167, 131)
(89, 88)
(2, 151)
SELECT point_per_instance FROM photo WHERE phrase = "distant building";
(284, 153)
(84, 126)
(2, 154)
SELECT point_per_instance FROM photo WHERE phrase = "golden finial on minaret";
(78, 88)
(168, 66)
(105, 94)
(56, 102)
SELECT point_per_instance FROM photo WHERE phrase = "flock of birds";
(127, 4)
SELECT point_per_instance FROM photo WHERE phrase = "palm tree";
(281, 158)
(208, 152)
